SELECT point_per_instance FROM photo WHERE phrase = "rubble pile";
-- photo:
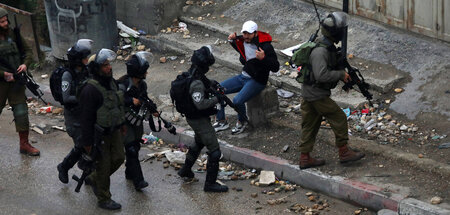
(129, 42)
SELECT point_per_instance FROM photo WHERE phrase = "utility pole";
(344, 39)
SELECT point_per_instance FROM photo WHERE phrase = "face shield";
(144, 58)
(105, 55)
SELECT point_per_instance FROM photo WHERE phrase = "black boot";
(110, 205)
(69, 161)
(212, 169)
(191, 157)
(140, 185)
(186, 170)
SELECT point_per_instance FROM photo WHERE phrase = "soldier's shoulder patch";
(64, 86)
(197, 96)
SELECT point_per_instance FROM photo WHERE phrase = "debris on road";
(266, 177)
(436, 200)
(176, 157)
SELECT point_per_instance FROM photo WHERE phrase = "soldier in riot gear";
(73, 78)
(13, 60)
(326, 72)
(102, 104)
(199, 119)
(134, 86)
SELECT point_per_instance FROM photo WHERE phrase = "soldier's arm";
(28, 53)
(91, 100)
(66, 86)
(197, 92)
(322, 74)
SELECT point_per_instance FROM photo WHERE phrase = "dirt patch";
(394, 176)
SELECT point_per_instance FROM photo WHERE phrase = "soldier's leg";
(193, 153)
(338, 121)
(117, 151)
(207, 135)
(130, 152)
(74, 130)
(311, 120)
(336, 117)
(4, 89)
(100, 176)
(17, 100)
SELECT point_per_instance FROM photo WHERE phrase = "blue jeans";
(247, 88)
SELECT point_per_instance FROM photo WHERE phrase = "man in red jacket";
(259, 58)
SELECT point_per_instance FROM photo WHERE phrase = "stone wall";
(148, 15)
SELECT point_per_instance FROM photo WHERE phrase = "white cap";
(249, 27)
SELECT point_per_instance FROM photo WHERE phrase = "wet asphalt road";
(29, 185)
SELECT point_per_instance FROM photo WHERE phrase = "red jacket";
(258, 69)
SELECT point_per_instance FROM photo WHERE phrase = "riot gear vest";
(9, 52)
(111, 113)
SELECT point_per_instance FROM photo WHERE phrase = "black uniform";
(72, 81)
(132, 139)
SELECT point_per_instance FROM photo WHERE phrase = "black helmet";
(138, 64)
(334, 25)
(203, 57)
(79, 51)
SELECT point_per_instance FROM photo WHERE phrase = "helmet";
(80, 50)
(138, 64)
(203, 57)
(3, 12)
(334, 25)
(102, 56)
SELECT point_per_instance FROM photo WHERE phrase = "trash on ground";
(266, 177)
(436, 200)
(444, 146)
(127, 29)
(176, 157)
(284, 93)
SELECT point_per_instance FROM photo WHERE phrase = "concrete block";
(386, 212)
(262, 105)
(412, 206)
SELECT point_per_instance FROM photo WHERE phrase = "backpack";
(55, 84)
(301, 59)
(179, 93)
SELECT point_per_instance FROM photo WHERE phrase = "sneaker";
(239, 128)
(221, 125)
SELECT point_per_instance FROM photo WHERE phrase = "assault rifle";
(23, 79)
(148, 107)
(87, 162)
(356, 79)
(219, 91)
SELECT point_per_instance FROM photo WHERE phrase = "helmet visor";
(105, 55)
(144, 57)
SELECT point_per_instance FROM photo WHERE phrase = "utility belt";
(110, 130)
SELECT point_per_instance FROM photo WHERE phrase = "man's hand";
(22, 68)
(232, 36)
(9, 77)
(136, 102)
(347, 78)
(156, 114)
(260, 54)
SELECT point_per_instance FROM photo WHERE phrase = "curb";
(366, 195)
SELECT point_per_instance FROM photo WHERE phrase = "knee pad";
(214, 156)
(20, 112)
